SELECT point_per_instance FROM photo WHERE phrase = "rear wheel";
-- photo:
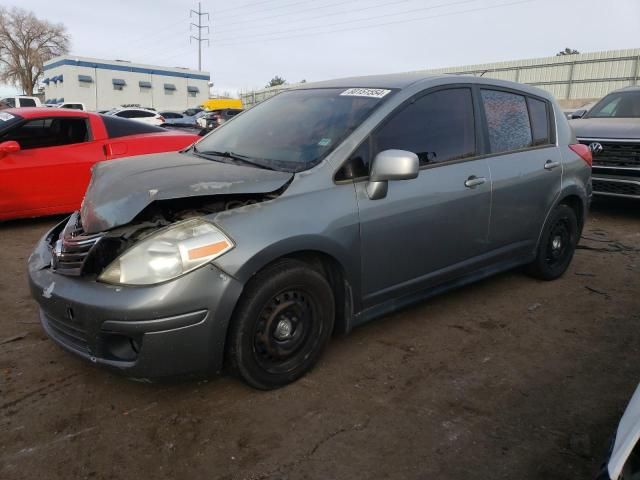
(557, 244)
(282, 324)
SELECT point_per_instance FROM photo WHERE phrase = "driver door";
(431, 229)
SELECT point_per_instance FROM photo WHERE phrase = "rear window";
(27, 102)
(507, 121)
(121, 127)
(539, 121)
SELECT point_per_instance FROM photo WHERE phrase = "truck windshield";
(294, 130)
(617, 105)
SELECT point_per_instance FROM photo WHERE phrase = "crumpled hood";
(120, 189)
(606, 127)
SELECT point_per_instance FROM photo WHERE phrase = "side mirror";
(391, 165)
(578, 114)
(9, 147)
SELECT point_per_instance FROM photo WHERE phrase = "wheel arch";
(337, 265)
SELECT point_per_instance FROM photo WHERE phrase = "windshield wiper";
(235, 156)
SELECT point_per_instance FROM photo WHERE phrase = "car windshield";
(294, 130)
(617, 105)
(8, 120)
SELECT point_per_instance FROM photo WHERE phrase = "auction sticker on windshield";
(5, 117)
(365, 92)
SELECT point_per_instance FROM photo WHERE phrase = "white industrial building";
(572, 79)
(105, 84)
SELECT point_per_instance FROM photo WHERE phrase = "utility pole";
(200, 27)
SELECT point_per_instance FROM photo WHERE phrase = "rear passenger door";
(434, 228)
(526, 167)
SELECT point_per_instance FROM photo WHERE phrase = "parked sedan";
(315, 211)
(178, 119)
(46, 155)
(139, 115)
(215, 118)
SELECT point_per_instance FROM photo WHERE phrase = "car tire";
(281, 326)
(557, 244)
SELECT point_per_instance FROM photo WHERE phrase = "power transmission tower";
(200, 27)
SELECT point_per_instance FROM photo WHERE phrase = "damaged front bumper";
(170, 329)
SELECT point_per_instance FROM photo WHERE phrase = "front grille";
(622, 188)
(71, 332)
(616, 154)
(72, 247)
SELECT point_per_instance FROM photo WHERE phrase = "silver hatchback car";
(313, 212)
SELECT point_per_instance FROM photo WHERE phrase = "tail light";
(583, 151)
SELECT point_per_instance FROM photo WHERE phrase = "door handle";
(550, 165)
(474, 181)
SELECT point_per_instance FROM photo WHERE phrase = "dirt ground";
(509, 378)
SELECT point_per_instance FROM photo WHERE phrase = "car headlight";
(168, 254)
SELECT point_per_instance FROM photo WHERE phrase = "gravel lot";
(509, 378)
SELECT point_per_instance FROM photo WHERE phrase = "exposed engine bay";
(76, 253)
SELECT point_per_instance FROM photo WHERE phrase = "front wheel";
(557, 244)
(282, 324)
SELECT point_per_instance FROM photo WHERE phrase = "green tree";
(567, 51)
(26, 42)
(275, 81)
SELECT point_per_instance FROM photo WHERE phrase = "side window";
(539, 121)
(27, 102)
(118, 127)
(11, 101)
(507, 121)
(49, 132)
(437, 127)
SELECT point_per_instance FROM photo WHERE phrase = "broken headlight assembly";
(167, 254)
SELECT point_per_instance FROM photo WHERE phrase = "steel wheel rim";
(286, 331)
(559, 243)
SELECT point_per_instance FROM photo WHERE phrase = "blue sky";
(253, 40)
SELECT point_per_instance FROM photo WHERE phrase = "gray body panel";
(120, 189)
(426, 235)
(619, 128)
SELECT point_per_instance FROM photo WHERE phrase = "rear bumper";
(171, 329)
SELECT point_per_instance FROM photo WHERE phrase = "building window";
(85, 78)
(169, 88)
(144, 84)
(192, 91)
(118, 83)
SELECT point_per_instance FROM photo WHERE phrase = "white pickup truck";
(21, 101)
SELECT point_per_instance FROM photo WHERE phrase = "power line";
(341, 12)
(242, 6)
(269, 9)
(200, 27)
(351, 21)
(396, 22)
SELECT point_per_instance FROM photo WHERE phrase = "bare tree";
(25, 44)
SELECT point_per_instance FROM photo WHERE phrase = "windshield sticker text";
(365, 92)
(324, 142)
